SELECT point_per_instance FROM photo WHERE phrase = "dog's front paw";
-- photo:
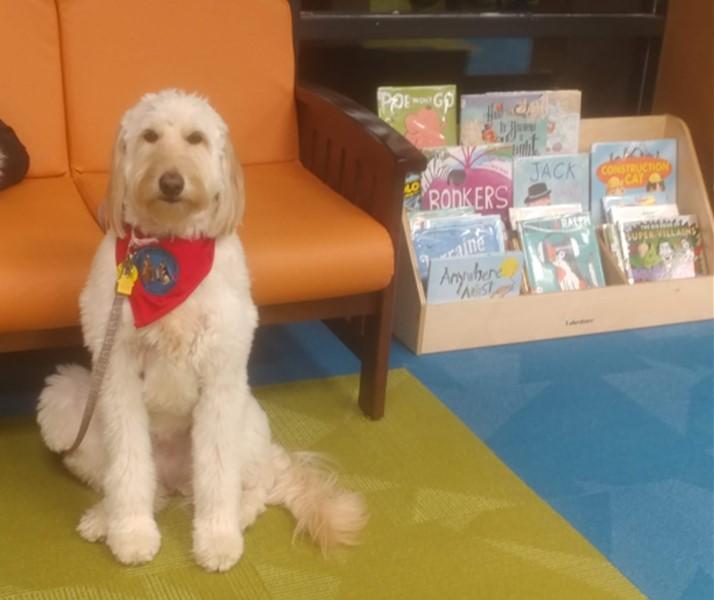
(93, 524)
(134, 541)
(217, 548)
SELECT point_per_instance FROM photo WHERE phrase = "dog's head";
(173, 170)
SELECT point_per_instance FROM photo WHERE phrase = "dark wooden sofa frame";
(365, 161)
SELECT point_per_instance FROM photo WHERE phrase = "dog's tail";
(307, 487)
(60, 407)
(59, 413)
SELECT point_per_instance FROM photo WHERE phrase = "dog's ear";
(112, 210)
(232, 201)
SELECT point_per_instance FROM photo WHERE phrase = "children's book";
(446, 236)
(518, 118)
(657, 249)
(543, 180)
(632, 168)
(458, 176)
(525, 213)
(618, 212)
(412, 191)
(563, 121)
(425, 115)
(561, 254)
(471, 277)
(426, 219)
(649, 199)
(611, 236)
(535, 123)
(641, 213)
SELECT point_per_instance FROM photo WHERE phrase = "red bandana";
(169, 270)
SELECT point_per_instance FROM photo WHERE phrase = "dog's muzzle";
(171, 185)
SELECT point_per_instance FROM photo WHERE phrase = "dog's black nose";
(171, 184)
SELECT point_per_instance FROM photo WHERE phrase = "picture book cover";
(523, 213)
(561, 254)
(641, 213)
(425, 115)
(424, 219)
(648, 199)
(474, 277)
(412, 191)
(658, 249)
(458, 176)
(543, 180)
(516, 118)
(563, 121)
(632, 168)
(611, 237)
(444, 237)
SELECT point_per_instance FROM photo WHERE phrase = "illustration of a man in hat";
(538, 195)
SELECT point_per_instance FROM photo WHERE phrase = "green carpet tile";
(448, 519)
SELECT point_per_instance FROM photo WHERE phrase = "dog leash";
(127, 274)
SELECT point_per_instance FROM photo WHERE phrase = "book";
(535, 123)
(474, 277)
(447, 236)
(412, 191)
(649, 199)
(542, 180)
(619, 210)
(611, 237)
(632, 168)
(641, 213)
(425, 115)
(657, 249)
(563, 121)
(480, 178)
(523, 213)
(424, 219)
(516, 118)
(561, 253)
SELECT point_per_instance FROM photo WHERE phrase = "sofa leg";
(375, 365)
(369, 338)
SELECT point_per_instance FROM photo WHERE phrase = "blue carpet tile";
(615, 431)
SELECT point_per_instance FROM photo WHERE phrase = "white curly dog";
(176, 414)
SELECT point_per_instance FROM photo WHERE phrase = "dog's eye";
(150, 136)
(195, 137)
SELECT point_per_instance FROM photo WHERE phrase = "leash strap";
(126, 276)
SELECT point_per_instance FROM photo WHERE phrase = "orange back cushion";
(237, 53)
(31, 82)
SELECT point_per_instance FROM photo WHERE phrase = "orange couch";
(323, 177)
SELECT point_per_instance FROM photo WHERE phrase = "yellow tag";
(126, 277)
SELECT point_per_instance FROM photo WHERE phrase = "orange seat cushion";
(31, 99)
(302, 240)
(239, 54)
(47, 243)
(305, 242)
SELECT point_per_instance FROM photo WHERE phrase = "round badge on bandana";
(158, 269)
(167, 270)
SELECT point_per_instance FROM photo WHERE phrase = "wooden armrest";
(355, 153)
